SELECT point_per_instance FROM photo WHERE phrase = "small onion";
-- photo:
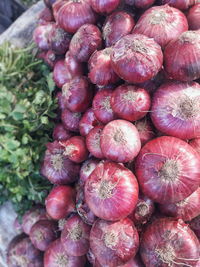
(120, 141)
(104, 6)
(42, 233)
(168, 242)
(93, 142)
(75, 149)
(180, 4)
(88, 122)
(75, 13)
(163, 23)
(182, 57)
(145, 130)
(100, 70)
(60, 133)
(136, 58)
(186, 209)
(55, 256)
(168, 169)
(21, 252)
(175, 109)
(193, 17)
(46, 16)
(71, 120)
(56, 167)
(111, 191)
(114, 243)
(50, 58)
(77, 94)
(102, 106)
(41, 36)
(75, 236)
(117, 25)
(85, 41)
(60, 202)
(195, 226)
(130, 102)
(87, 168)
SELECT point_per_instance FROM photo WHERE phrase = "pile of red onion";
(125, 160)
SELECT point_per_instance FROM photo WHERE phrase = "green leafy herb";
(26, 113)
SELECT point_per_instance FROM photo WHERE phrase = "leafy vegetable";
(26, 113)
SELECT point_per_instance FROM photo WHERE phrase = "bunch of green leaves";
(26, 112)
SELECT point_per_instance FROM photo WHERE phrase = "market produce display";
(124, 162)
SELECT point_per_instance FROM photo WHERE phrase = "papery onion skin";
(130, 102)
(56, 7)
(21, 252)
(77, 94)
(195, 143)
(75, 149)
(163, 23)
(117, 25)
(60, 133)
(85, 41)
(136, 58)
(114, 243)
(193, 17)
(73, 14)
(100, 70)
(88, 122)
(71, 120)
(175, 109)
(59, 99)
(55, 256)
(42, 233)
(93, 142)
(186, 209)
(75, 236)
(168, 169)
(169, 242)
(32, 216)
(102, 106)
(59, 40)
(87, 168)
(41, 36)
(104, 6)
(111, 191)
(120, 141)
(145, 129)
(195, 226)
(182, 57)
(56, 167)
(60, 202)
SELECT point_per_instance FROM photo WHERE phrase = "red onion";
(60, 133)
(143, 3)
(100, 70)
(81, 206)
(111, 191)
(104, 6)
(42, 233)
(117, 25)
(195, 226)
(182, 57)
(186, 209)
(114, 243)
(55, 256)
(60, 202)
(75, 149)
(130, 102)
(51, 59)
(65, 70)
(87, 168)
(41, 36)
(21, 252)
(71, 120)
(46, 16)
(193, 17)
(102, 106)
(136, 58)
(180, 4)
(77, 94)
(163, 23)
(75, 236)
(88, 122)
(145, 130)
(75, 13)
(56, 7)
(59, 40)
(120, 141)
(168, 169)
(143, 211)
(195, 143)
(85, 41)
(32, 216)
(175, 109)
(60, 101)
(56, 167)
(168, 242)
(93, 142)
